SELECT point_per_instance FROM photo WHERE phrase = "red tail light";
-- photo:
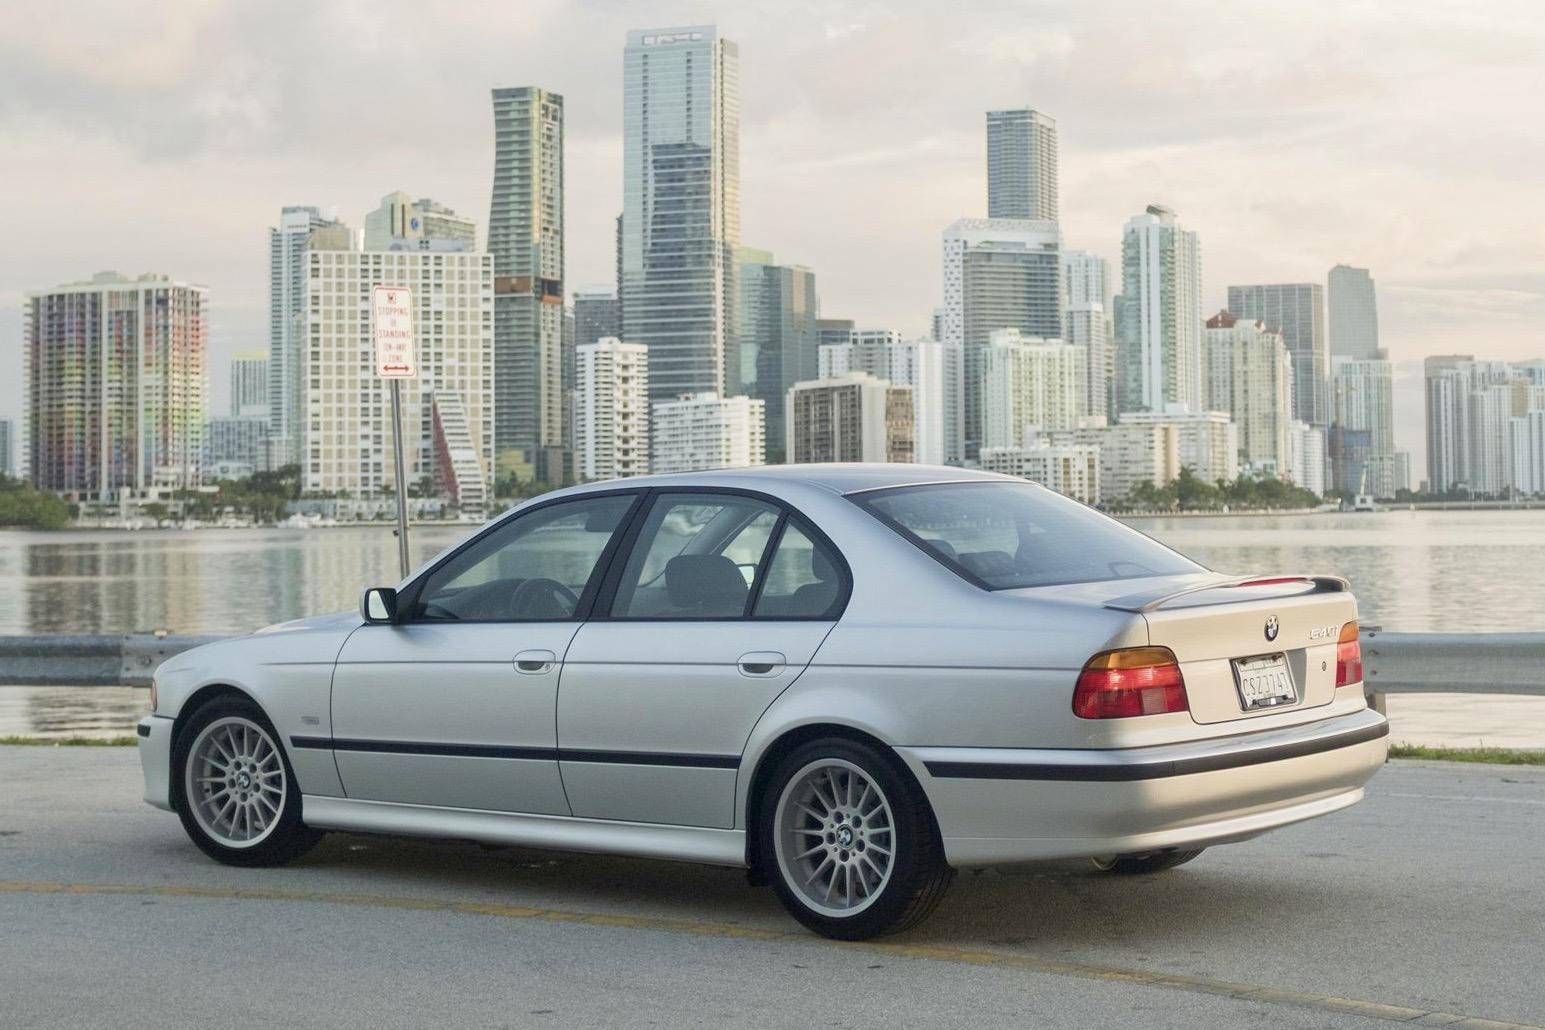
(1349, 657)
(1132, 681)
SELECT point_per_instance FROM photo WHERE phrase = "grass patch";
(1491, 755)
(70, 741)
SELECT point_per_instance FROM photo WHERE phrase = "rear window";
(1005, 535)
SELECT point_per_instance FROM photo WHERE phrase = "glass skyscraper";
(1159, 315)
(1298, 311)
(681, 207)
(779, 344)
(1021, 164)
(1354, 313)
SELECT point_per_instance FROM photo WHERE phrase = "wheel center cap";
(845, 836)
(244, 781)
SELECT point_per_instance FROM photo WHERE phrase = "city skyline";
(843, 188)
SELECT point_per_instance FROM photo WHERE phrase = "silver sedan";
(850, 679)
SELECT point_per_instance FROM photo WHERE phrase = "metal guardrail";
(1393, 663)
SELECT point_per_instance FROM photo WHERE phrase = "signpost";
(391, 309)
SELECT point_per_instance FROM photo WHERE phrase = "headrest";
(710, 582)
(944, 547)
(821, 565)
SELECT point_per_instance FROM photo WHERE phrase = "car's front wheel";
(849, 841)
(237, 795)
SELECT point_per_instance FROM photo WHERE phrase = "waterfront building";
(249, 385)
(611, 410)
(114, 376)
(1029, 384)
(853, 417)
(999, 273)
(1250, 376)
(402, 223)
(234, 443)
(1297, 311)
(1354, 314)
(1206, 442)
(779, 344)
(286, 317)
(681, 207)
(1362, 405)
(526, 241)
(1021, 164)
(348, 439)
(705, 431)
(1159, 315)
(1465, 449)
(1129, 454)
(931, 369)
(1527, 441)
(1306, 457)
(1069, 469)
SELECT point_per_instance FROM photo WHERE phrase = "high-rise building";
(1354, 313)
(525, 238)
(998, 274)
(1129, 455)
(249, 384)
(1088, 322)
(930, 368)
(1021, 164)
(402, 223)
(115, 378)
(1029, 384)
(830, 331)
(1250, 376)
(7, 447)
(1463, 414)
(347, 414)
(597, 315)
(1207, 442)
(235, 446)
(1297, 311)
(854, 417)
(779, 344)
(1306, 457)
(1159, 315)
(706, 431)
(1528, 445)
(611, 410)
(286, 320)
(1362, 406)
(1086, 279)
(681, 206)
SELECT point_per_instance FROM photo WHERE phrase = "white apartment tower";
(286, 322)
(1088, 321)
(705, 431)
(1029, 384)
(347, 409)
(1021, 164)
(998, 274)
(681, 207)
(1363, 426)
(611, 410)
(1159, 315)
(1250, 376)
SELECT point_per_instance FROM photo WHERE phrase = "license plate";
(1264, 682)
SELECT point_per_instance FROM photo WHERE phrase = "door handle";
(762, 663)
(534, 663)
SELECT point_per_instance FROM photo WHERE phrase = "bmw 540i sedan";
(850, 679)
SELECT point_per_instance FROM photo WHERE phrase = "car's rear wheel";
(849, 841)
(1144, 862)
(237, 795)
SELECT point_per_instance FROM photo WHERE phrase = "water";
(1422, 571)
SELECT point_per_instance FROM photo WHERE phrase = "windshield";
(1001, 535)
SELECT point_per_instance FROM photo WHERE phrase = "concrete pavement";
(1422, 905)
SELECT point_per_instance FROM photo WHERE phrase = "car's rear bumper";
(1006, 805)
(155, 759)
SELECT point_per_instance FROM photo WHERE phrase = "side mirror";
(379, 604)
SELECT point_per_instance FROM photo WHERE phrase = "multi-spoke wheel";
(850, 841)
(238, 799)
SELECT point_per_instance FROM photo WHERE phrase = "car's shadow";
(1051, 907)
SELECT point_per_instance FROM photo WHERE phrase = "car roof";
(837, 477)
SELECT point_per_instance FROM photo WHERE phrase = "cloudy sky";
(1291, 135)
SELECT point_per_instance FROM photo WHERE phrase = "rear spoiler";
(1147, 602)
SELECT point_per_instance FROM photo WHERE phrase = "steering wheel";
(541, 598)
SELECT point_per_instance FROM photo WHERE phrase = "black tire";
(1146, 862)
(918, 875)
(285, 838)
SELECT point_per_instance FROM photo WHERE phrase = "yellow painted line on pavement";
(924, 952)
